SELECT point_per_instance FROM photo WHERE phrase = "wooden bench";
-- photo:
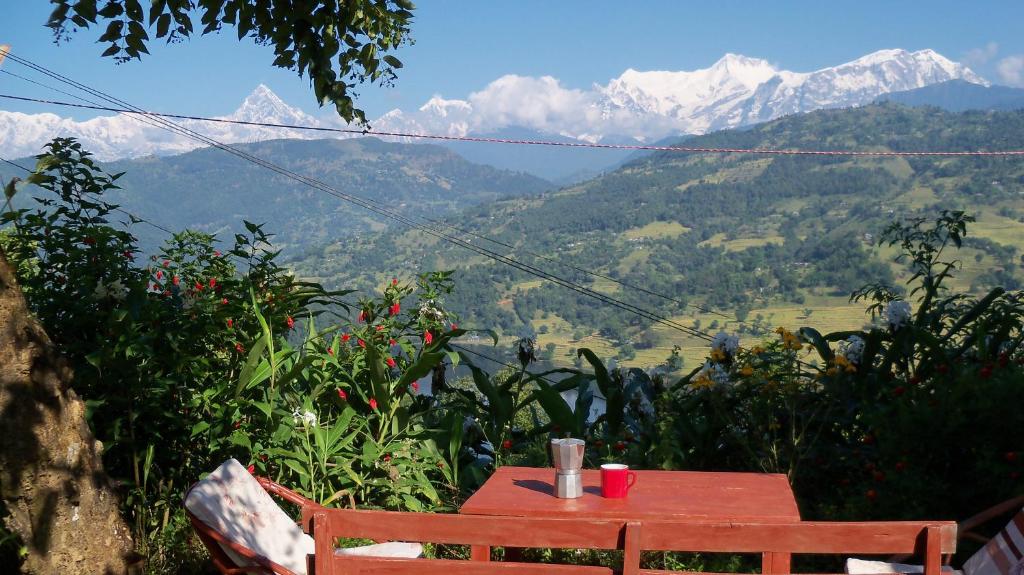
(929, 540)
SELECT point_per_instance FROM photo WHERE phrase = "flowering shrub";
(906, 419)
(193, 355)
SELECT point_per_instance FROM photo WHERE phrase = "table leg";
(775, 563)
(480, 553)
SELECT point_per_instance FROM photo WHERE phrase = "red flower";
(342, 395)
(167, 263)
(263, 457)
(239, 348)
(1010, 456)
(251, 469)
(454, 327)
(224, 301)
(361, 343)
(330, 350)
(199, 286)
(129, 255)
(391, 362)
(373, 403)
(380, 328)
(231, 322)
(176, 280)
(213, 282)
(237, 424)
(392, 341)
(362, 316)
(428, 338)
(345, 337)
(216, 253)
(899, 390)
(394, 282)
(290, 322)
(415, 386)
(395, 308)
(507, 444)
(387, 458)
(620, 446)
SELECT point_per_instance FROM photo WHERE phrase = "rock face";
(58, 498)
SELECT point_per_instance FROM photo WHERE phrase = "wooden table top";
(664, 495)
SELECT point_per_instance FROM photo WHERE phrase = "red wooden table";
(657, 495)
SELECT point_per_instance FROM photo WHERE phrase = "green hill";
(766, 239)
(211, 190)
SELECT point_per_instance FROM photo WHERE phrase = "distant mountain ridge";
(212, 191)
(959, 96)
(638, 106)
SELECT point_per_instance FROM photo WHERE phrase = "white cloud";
(980, 56)
(538, 103)
(1011, 70)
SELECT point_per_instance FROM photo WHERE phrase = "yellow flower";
(718, 355)
(702, 382)
(780, 330)
(746, 371)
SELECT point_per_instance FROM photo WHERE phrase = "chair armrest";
(285, 493)
(969, 524)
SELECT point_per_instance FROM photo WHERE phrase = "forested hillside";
(767, 240)
(213, 191)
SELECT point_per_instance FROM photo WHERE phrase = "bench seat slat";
(390, 566)
(475, 530)
(879, 537)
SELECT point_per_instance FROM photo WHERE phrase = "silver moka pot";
(568, 457)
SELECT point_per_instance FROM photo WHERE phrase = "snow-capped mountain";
(644, 106)
(128, 136)
(734, 91)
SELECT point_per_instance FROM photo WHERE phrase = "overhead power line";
(524, 142)
(316, 184)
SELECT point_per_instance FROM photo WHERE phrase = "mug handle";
(630, 479)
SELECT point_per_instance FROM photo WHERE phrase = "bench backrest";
(929, 540)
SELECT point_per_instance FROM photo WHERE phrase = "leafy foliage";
(338, 45)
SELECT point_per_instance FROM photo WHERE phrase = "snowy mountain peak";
(263, 105)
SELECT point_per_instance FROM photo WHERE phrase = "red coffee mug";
(616, 479)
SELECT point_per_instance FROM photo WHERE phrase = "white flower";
(725, 342)
(100, 292)
(852, 349)
(427, 310)
(715, 373)
(118, 290)
(306, 417)
(897, 314)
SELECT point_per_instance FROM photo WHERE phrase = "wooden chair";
(246, 532)
(995, 558)
(930, 539)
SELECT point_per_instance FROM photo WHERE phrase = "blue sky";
(462, 46)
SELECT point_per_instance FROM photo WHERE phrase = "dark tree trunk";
(58, 498)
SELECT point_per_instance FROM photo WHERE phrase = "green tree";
(338, 45)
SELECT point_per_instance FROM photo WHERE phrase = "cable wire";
(316, 184)
(634, 147)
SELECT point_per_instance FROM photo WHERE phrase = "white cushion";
(390, 549)
(232, 502)
(864, 567)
